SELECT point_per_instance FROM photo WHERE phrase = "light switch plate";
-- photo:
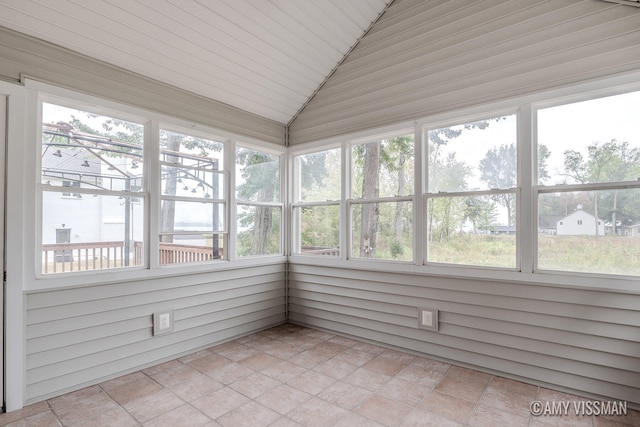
(162, 322)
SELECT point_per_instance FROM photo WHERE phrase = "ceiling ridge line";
(344, 57)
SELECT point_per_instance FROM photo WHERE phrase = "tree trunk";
(168, 210)
(263, 223)
(370, 190)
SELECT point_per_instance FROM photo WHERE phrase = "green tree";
(606, 162)
(261, 183)
(498, 169)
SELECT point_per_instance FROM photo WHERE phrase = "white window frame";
(351, 201)
(425, 126)
(296, 205)
(225, 201)
(36, 91)
(527, 191)
(280, 153)
(109, 110)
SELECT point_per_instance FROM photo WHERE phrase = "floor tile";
(27, 411)
(184, 416)
(311, 382)
(220, 402)
(153, 405)
(469, 390)
(451, 407)
(209, 363)
(42, 419)
(259, 361)
(335, 368)
(421, 418)
(317, 413)
(404, 391)
(254, 385)
(367, 379)
(129, 387)
(486, 416)
(345, 395)
(290, 376)
(251, 414)
(384, 410)
(283, 398)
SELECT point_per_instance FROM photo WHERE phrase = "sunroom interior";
(456, 181)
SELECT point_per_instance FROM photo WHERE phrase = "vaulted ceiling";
(267, 57)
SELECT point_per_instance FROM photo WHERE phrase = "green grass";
(590, 254)
(587, 254)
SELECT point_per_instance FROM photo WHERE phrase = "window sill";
(114, 276)
(569, 280)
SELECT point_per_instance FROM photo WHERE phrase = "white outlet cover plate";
(428, 318)
(162, 322)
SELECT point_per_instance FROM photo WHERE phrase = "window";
(100, 157)
(589, 169)
(259, 206)
(316, 203)
(381, 203)
(471, 193)
(193, 226)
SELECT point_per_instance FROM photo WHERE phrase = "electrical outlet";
(162, 322)
(428, 318)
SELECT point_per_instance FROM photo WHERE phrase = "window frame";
(451, 120)
(42, 188)
(296, 205)
(224, 201)
(280, 204)
(351, 200)
(525, 106)
(37, 92)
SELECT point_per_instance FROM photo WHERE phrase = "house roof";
(264, 57)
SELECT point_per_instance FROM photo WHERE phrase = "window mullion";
(526, 204)
(152, 183)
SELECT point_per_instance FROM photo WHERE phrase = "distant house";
(632, 230)
(579, 223)
(502, 229)
(547, 224)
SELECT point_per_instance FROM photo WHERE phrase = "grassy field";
(588, 254)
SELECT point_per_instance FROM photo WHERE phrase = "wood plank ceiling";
(267, 57)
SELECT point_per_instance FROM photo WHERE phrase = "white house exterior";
(579, 223)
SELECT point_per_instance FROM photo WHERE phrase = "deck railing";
(315, 250)
(68, 257)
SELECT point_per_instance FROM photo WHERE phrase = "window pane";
(318, 176)
(478, 155)
(90, 151)
(191, 216)
(188, 248)
(93, 232)
(383, 168)
(187, 182)
(382, 231)
(590, 231)
(319, 230)
(589, 142)
(474, 230)
(185, 150)
(257, 176)
(258, 230)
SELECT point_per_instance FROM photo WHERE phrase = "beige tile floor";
(294, 376)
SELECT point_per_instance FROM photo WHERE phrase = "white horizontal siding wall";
(580, 340)
(428, 57)
(84, 335)
(24, 55)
